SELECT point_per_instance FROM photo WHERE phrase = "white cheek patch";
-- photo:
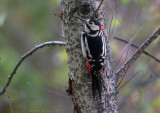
(94, 27)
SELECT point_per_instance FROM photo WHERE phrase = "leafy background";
(40, 83)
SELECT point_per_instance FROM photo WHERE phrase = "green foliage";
(156, 41)
(115, 22)
(156, 102)
(60, 76)
(141, 65)
(63, 55)
(125, 1)
(24, 24)
(114, 47)
(2, 17)
(145, 107)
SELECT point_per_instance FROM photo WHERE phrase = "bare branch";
(94, 15)
(133, 45)
(126, 47)
(122, 71)
(29, 53)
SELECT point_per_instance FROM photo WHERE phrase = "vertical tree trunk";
(79, 80)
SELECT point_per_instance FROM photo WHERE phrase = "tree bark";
(79, 79)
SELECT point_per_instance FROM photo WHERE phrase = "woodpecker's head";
(92, 25)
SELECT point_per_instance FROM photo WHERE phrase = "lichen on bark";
(80, 81)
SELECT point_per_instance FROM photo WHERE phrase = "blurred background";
(40, 83)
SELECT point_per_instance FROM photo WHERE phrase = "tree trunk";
(79, 79)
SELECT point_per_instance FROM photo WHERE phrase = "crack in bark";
(71, 91)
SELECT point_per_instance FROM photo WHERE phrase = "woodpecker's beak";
(82, 19)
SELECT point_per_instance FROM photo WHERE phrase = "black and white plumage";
(94, 51)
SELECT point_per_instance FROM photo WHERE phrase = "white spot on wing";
(87, 48)
(83, 46)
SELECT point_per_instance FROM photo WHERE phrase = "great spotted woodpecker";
(94, 51)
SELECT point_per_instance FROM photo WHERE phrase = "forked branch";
(122, 71)
(29, 53)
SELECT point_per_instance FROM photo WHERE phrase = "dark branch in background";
(94, 15)
(133, 45)
(29, 53)
(122, 71)
(126, 47)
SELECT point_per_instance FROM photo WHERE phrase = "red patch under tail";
(88, 66)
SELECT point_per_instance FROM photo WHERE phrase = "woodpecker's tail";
(96, 83)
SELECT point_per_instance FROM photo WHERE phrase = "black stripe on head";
(96, 22)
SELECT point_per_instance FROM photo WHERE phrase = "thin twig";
(127, 80)
(10, 103)
(115, 17)
(138, 85)
(122, 71)
(134, 21)
(29, 53)
(94, 15)
(133, 45)
(125, 48)
(59, 15)
(131, 98)
(48, 90)
(110, 26)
